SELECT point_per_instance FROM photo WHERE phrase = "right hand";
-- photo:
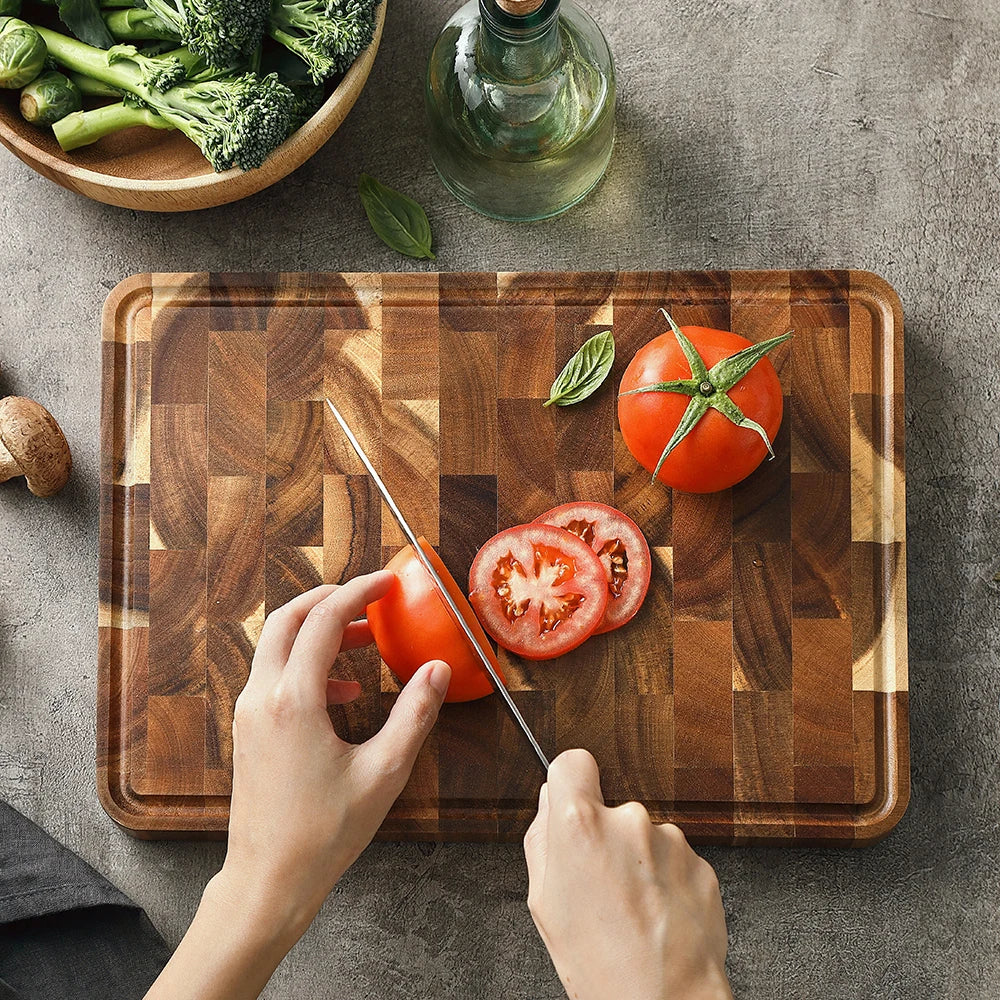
(625, 907)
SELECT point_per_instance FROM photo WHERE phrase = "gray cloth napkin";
(65, 931)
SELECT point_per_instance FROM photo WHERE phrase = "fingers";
(356, 635)
(671, 844)
(573, 776)
(672, 834)
(280, 630)
(576, 804)
(322, 631)
(535, 837)
(342, 692)
(392, 752)
(536, 855)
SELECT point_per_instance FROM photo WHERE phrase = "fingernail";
(440, 677)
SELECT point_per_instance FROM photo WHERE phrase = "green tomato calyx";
(709, 388)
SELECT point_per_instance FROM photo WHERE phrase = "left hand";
(305, 804)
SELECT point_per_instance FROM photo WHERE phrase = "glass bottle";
(521, 106)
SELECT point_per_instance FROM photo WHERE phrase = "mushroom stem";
(9, 469)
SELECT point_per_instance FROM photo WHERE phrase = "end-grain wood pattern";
(758, 697)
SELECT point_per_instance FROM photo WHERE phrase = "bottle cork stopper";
(520, 8)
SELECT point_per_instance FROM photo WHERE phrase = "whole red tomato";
(716, 453)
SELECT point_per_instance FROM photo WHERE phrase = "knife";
(449, 601)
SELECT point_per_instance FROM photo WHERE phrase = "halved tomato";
(620, 546)
(412, 624)
(538, 590)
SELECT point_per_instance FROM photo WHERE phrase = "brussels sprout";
(10, 8)
(22, 53)
(50, 97)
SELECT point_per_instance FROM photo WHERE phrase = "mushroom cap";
(36, 444)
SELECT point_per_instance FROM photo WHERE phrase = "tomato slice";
(538, 590)
(412, 624)
(622, 549)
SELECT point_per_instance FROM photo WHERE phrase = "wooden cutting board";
(759, 696)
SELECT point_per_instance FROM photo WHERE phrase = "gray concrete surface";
(753, 133)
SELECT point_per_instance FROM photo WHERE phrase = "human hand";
(625, 908)
(305, 804)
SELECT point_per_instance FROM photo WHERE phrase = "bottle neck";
(514, 47)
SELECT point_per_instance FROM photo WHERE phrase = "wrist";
(258, 912)
(235, 942)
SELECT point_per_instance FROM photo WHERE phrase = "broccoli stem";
(81, 128)
(90, 87)
(137, 25)
(197, 67)
(320, 66)
(82, 58)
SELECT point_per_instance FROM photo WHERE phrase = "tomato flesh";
(412, 624)
(716, 454)
(538, 590)
(622, 549)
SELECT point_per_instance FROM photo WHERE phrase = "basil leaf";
(399, 222)
(585, 372)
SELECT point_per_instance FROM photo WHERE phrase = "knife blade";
(449, 601)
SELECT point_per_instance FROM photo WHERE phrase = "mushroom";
(32, 445)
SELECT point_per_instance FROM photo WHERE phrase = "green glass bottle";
(521, 106)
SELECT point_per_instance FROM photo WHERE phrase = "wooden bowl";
(156, 171)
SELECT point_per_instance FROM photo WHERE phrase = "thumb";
(393, 749)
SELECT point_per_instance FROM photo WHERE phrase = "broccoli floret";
(223, 31)
(235, 120)
(250, 117)
(308, 100)
(159, 72)
(326, 34)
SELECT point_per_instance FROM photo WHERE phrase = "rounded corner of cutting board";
(142, 822)
(882, 817)
(129, 294)
(878, 818)
(875, 292)
(120, 807)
